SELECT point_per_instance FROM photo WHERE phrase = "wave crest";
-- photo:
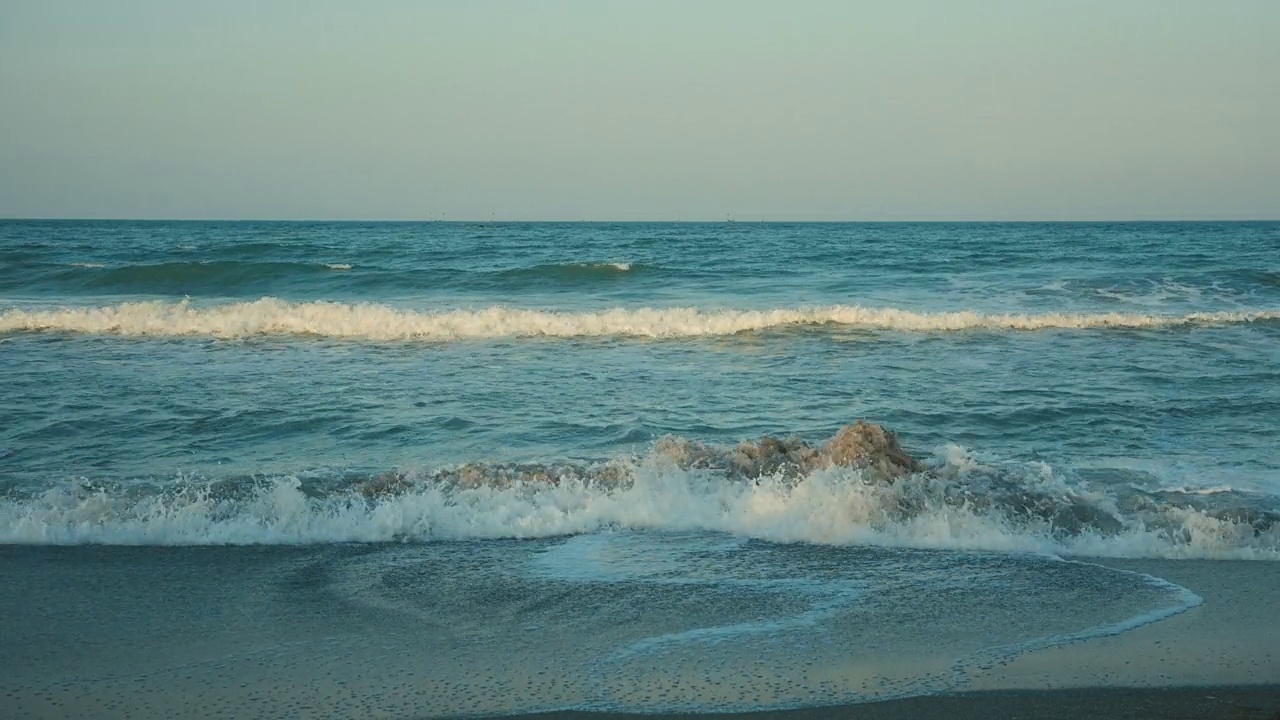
(863, 496)
(366, 321)
(216, 276)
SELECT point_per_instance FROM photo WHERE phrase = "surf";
(271, 316)
(857, 489)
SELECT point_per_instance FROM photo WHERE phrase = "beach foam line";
(951, 504)
(367, 321)
(830, 507)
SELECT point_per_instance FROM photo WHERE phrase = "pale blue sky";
(641, 109)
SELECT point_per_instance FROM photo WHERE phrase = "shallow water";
(632, 621)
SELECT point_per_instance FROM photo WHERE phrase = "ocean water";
(468, 426)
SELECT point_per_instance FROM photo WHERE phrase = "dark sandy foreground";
(1232, 638)
(99, 632)
(1218, 660)
(1237, 703)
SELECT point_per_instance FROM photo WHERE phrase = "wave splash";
(366, 321)
(857, 489)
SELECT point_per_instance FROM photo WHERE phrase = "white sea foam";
(367, 321)
(88, 265)
(1214, 490)
(619, 266)
(338, 266)
(837, 506)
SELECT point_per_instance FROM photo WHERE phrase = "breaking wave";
(367, 321)
(767, 490)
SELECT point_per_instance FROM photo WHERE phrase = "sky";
(640, 109)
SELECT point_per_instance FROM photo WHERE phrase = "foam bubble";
(942, 508)
(367, 321)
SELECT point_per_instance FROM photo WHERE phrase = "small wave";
(1216, 490)
(338, 266)
(1262, 276)
(188, 277)
(367, 321)
(779, 491)
(584, 267)
(572, 273)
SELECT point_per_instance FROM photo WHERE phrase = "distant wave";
(618, 266)
(679, 485)
(366, 321)
(569, 272)
(187, 277)
(223, 277)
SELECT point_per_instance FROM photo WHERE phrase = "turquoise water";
(230, 389)
(1074, 390)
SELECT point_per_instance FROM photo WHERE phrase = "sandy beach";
(1233, 638)
(87, 635)
(1235, 703)
(1218, 660)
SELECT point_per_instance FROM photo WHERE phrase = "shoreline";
(89, 637)
(1217, 659)
(1230, 639)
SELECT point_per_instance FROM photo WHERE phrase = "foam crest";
(366, 321)
(943, 506)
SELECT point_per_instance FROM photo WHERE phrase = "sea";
(439, 454)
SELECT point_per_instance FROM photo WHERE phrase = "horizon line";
(676, 221)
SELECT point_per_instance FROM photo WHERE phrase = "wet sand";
(1232, 638)
(1208, 703)
(116, 632)
(1218, 660)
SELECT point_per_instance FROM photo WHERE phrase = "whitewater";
(954, 505)
(375, 322)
